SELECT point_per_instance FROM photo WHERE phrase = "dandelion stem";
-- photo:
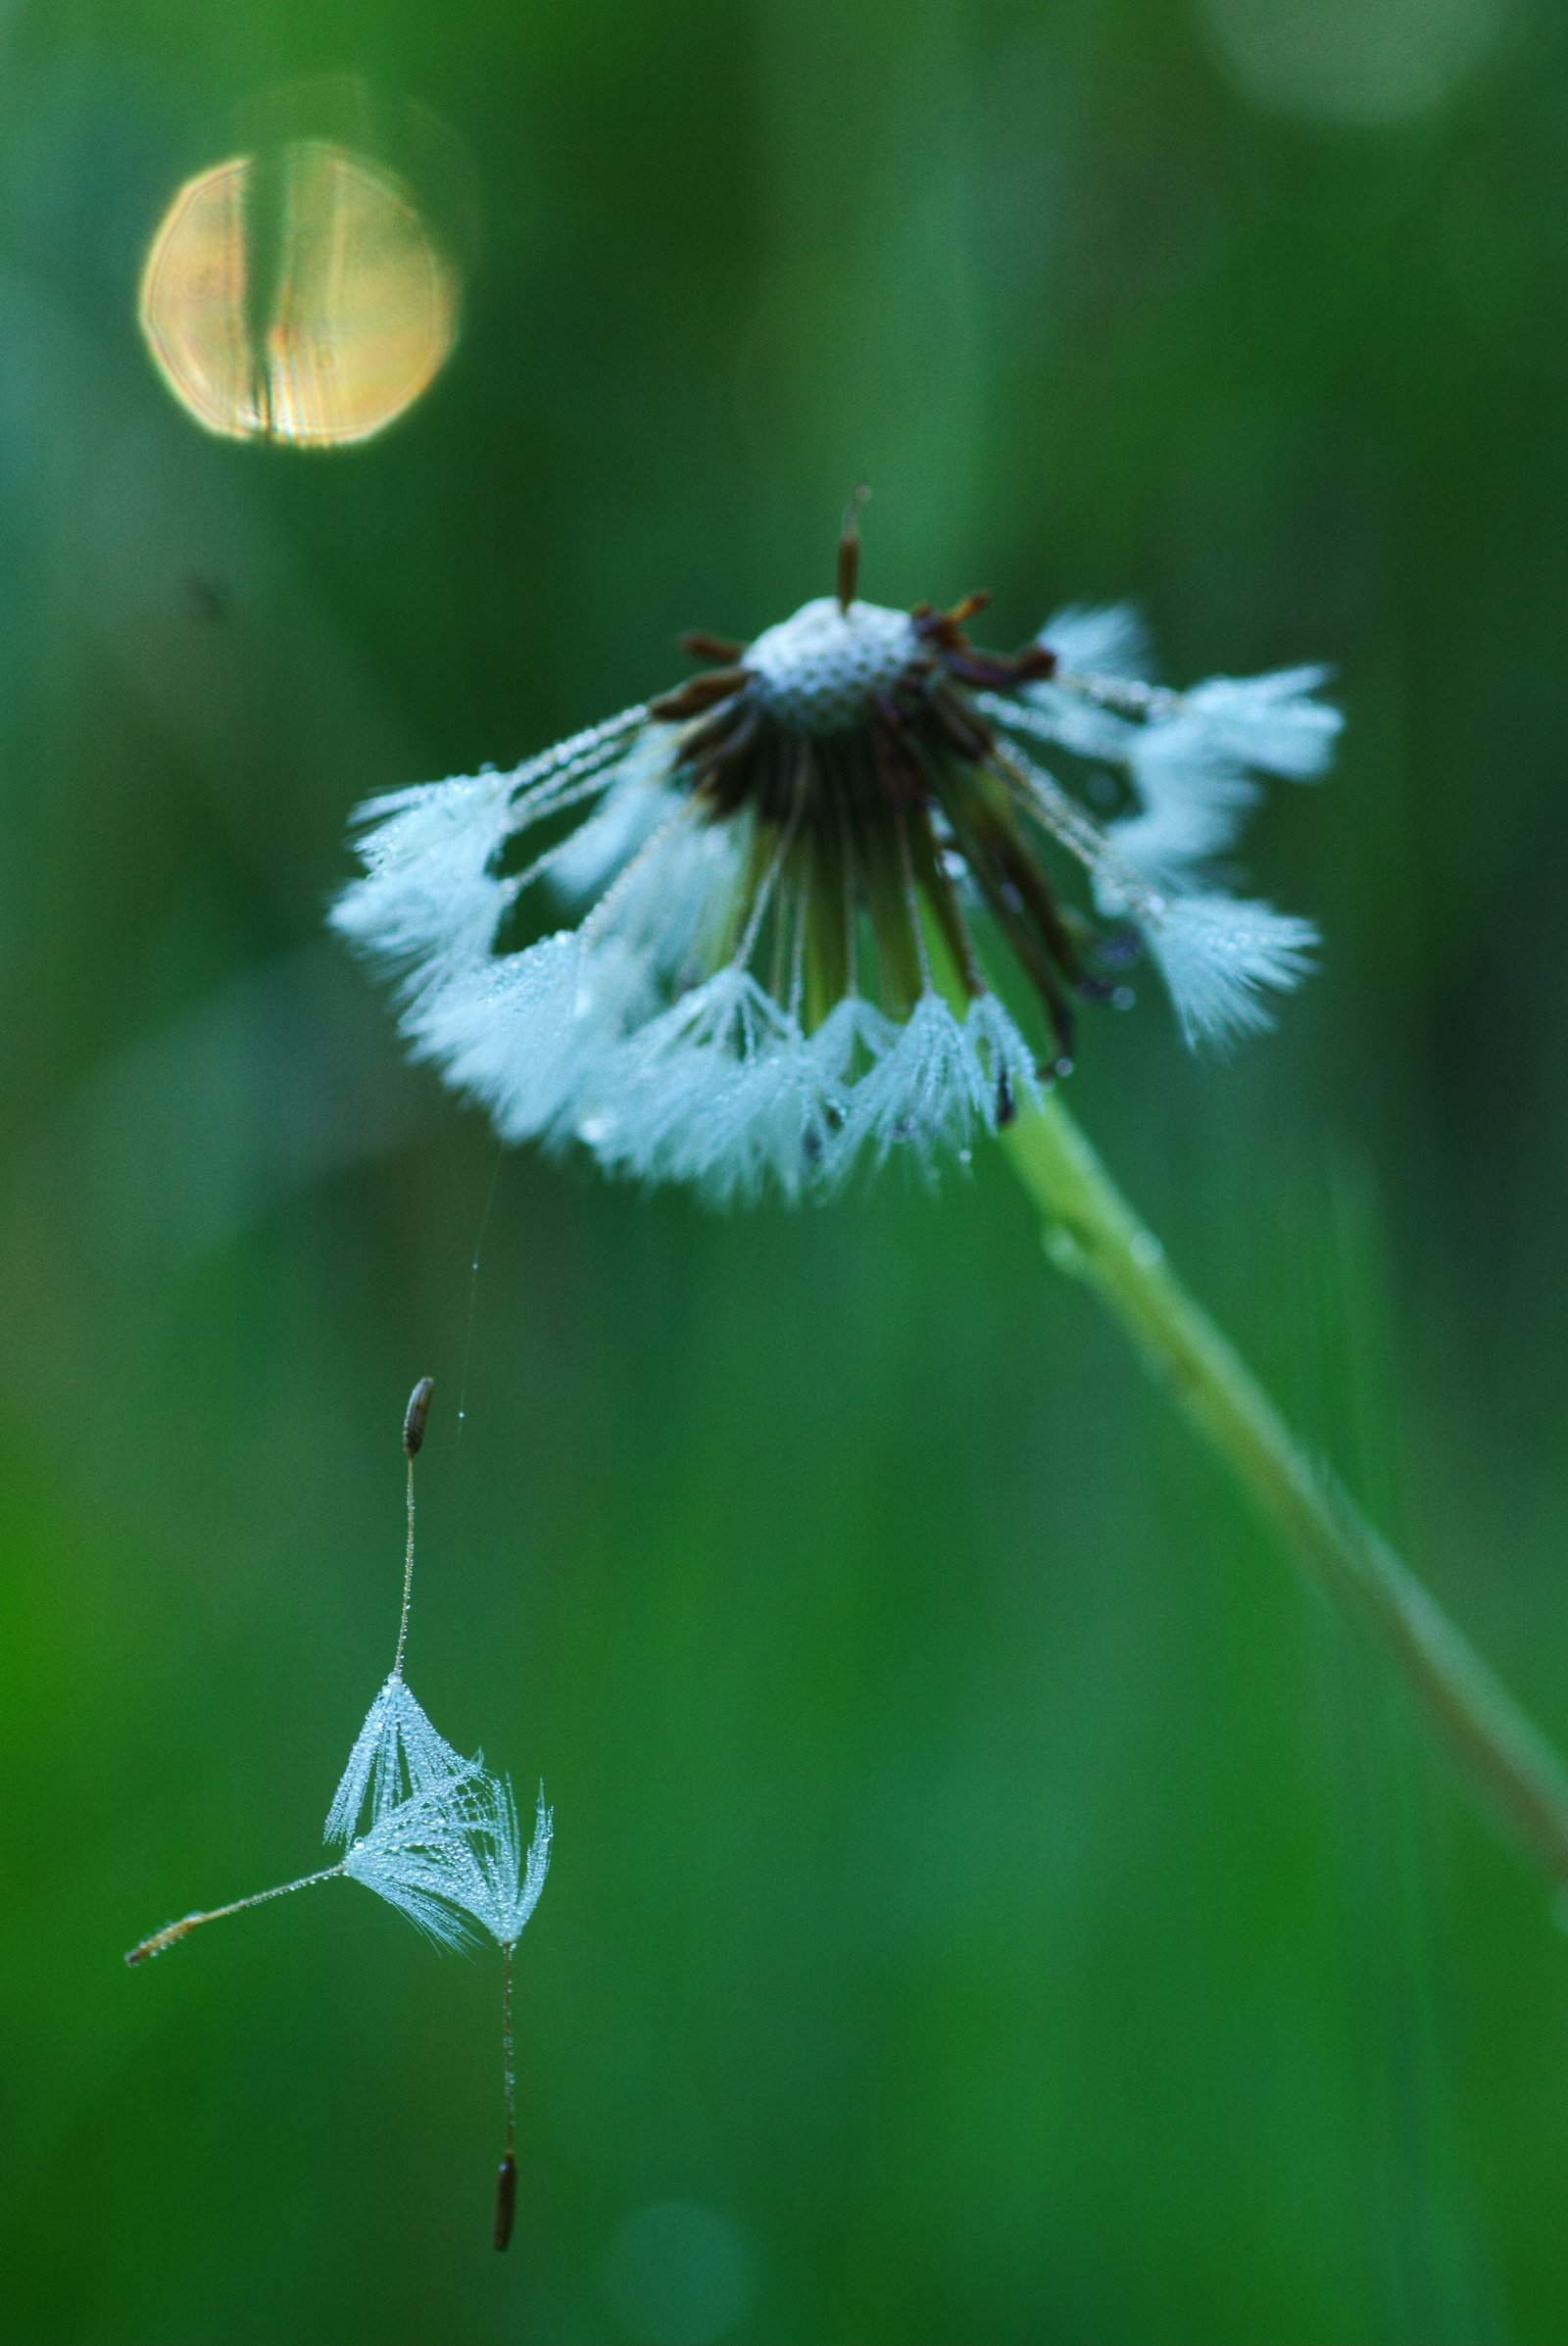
(414, 1419)
(1093, 1234)
(172, 1932)
(506, 2046)
(507, 2180)
(407, 1581)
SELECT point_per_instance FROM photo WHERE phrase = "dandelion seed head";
(823, 670)
(775, 974)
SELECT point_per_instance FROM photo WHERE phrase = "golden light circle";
(301, 302)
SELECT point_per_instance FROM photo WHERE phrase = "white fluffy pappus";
(500, 1883)
(416, 1857)
(397, 1755)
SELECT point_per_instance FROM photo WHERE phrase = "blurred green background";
(992, 1902)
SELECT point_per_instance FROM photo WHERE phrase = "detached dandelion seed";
(414, 1854)
(397, 1754)
(158, 1941)
(444, 1846)
(415, 1857)
(414, 1419)
(779, 971)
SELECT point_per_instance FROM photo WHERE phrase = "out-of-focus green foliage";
(990, 1899)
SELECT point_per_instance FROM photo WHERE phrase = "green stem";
(1093, 1234)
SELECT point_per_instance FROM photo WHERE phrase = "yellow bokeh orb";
(303, 301)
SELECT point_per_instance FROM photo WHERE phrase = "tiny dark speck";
(209, 598)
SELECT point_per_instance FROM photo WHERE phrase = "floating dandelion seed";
(397, 1752)
(415, 1857)
(444, 1845)
(776, 973)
